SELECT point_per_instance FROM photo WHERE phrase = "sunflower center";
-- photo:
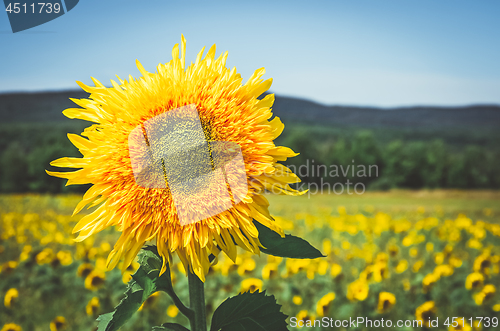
(175, 151)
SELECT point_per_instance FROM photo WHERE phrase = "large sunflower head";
(182, 155)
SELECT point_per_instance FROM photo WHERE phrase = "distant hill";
(47, 107)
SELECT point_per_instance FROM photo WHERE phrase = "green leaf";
(290, 246)
(170, 326)
(145, 281)
(249, 312)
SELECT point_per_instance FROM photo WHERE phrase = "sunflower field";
(394, 255)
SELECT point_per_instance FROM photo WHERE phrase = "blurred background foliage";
(422, 160)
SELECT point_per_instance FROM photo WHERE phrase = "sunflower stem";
(189, 313)
(197, 303)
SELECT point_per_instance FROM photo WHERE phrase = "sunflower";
(304, 318)
(11, 327)
(64, 257)
(425, 312)
(58, 324)
(462, 325)
(84, 269)
(92, 307)
(323, 305)
(130, 132)
(385, 301)
(246, 267)
(486, 294)
(358, 290)
(251, 285)
(270, 270)
(402, 266)
(429, 280)
(9, 266)
(10, 297)
(95, 280)
(482, 263)
(45, 256)
(297, 300)
(336, 270)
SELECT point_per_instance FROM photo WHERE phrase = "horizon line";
(414, 105)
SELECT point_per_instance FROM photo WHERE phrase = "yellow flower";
(429, 280)
(45, 256)
(380, 271)
(429, 247)
(482, 263)
(11, 295)
(336, 270)
(496, 307)
(385, 301)
(297, 300)
(11, 327)
(270, 270)
(84, 270)
(62, 258)
(172, 311)
(25, 254)
(413, 252)
(95, 280)
(439, 258)
(462, 325)
(358, 290)
(417, 265)
(485, 295)
(402, 266)
(246, 267)
(393, 250)
(251, 284)
(58, 324)
(323, 305)
(474, 281)
(144, 207)
(9, 266)
(445, 270)
(426, 311)
(304, 317)
(92, 307)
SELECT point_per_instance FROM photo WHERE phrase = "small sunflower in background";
(229, 111)
(425, 312)
(92, 308)
(462, 325)
(358, 290)
(84, 270)
(297, 300)
(386, 301)
(58, 324)
(270, 270)
(324, 304)
(11, 327)
(9, 266)
(251, 285)
(486, 294)
(304, 316)
(10, 297)
(95, 280)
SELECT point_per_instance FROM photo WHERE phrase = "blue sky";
(353, 52)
